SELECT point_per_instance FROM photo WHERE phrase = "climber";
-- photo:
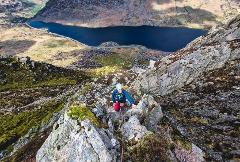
(120, 96)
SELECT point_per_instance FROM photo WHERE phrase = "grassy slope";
(16, 78)
(39, 45)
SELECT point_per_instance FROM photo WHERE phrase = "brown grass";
(46, 47)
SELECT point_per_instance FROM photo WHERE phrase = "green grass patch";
(110, 64)
(86, 88)
(19, 76)
(115, 60)
(14, 126)
(57, 82)
(55, 43)
(103, 71)
(81, 112)
(46, 83)
(36, 9)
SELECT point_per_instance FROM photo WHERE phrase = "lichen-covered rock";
(145, 105)
(70, 141)
(152, 120)
(132, 130)
(195, 155)
(147, 110)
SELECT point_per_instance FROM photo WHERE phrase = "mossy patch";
(197, 120)
(14, 126)
(144, 62)
(187, 145)
(81, 112)
(86, 88)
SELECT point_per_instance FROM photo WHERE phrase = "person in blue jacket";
(120, 97)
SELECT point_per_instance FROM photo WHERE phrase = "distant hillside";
(15, 11)
(94, 13)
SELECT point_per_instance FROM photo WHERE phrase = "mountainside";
(198, 88)
(188, 109)
(93, 13)
(17, 11)
(31, 96)
(55, 93)
(39, 74)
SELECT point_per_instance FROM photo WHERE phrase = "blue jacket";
(122, 97)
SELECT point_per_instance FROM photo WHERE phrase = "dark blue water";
(168, 39)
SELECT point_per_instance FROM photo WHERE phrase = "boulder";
(153, 118)
(132, 130)
(235, 35)
(70, 141)
(195, 154)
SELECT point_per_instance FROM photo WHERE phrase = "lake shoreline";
(166, 39)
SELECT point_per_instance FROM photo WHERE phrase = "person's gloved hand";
(134, 106)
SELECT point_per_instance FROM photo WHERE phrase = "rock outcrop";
(73, 141)
(132, 130)
(207, 53)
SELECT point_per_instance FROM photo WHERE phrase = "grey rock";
(145, 105)
(199, 154)
(153, 118)
(98, 110)
(235, 35)
(193, 155)
(201, 56)
(132, 130)
(70, 141)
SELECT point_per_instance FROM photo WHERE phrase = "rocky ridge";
(198, 88)
(188, 109)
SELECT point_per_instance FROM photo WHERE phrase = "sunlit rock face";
(150, 12)
(205, 54)
(71, 141)
(198, 90)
